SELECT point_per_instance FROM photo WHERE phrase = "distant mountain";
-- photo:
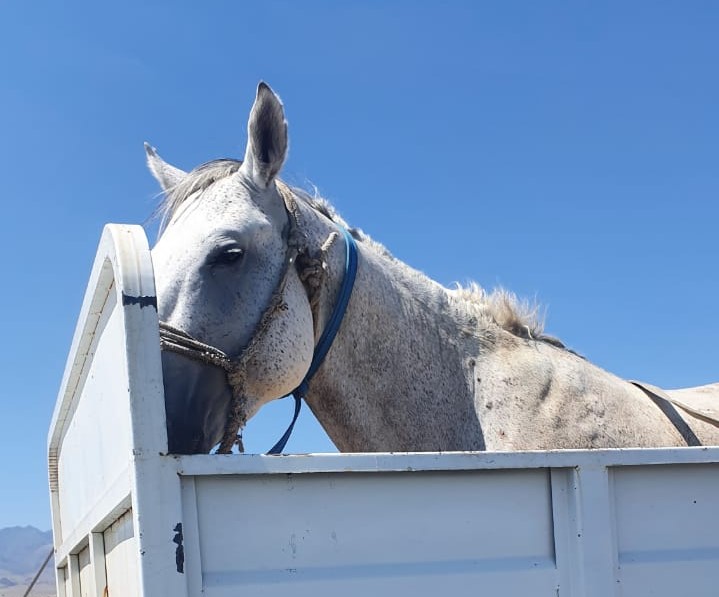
(23, 549)
(22, 552)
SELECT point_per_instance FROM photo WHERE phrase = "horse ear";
(266, 138)
(168, 176)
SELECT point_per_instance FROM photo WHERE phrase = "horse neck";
(399, 375)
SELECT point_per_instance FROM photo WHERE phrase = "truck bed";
(131, 520)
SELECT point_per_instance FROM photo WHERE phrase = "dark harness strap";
(666, 405)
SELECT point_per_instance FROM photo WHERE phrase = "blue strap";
(328, 336)
(280, 445)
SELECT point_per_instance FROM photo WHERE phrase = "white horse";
(249, 274)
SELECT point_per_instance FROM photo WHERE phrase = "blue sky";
(567, 151)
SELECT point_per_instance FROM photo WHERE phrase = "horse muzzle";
(197, 401)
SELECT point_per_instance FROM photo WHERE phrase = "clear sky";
(567, 151)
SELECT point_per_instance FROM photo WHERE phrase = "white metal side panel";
(96, 448)
(63, 582)
(121, 561)
(429, 533)
(107, 436)
(86, 574)
(667, 524)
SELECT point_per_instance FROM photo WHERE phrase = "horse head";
(225, 283)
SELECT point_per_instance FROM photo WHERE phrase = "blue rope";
(328, 336)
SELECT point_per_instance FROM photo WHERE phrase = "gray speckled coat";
(415, 366)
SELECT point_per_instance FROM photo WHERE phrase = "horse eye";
(228, 256)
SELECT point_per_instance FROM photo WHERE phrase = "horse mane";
(499, 307)
(522, 318)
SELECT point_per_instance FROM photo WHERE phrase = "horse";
(249, 273)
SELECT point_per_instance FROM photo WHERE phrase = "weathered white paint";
(121, 561)
(579, 523)
(87, 585)
(63, 581)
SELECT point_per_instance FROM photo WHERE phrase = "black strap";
(665, 405)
